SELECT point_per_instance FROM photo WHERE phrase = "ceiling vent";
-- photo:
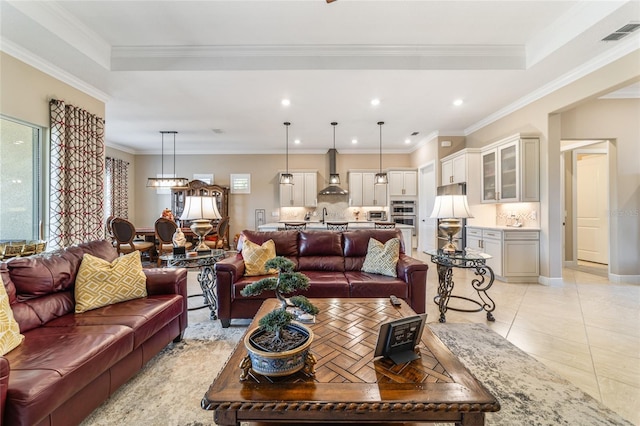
(622, 32)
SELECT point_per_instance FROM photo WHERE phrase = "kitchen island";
(407, 230)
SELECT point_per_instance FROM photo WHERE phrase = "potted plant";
(279, 346)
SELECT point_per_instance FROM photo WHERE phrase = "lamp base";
(450, 227)
(201, 227)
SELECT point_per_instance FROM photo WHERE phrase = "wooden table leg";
(472, 419)
(226, 418)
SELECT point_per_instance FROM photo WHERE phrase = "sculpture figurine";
(168, 214)
(179, 240)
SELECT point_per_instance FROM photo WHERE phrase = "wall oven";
(404, 212)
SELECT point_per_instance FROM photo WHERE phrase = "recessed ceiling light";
(285, 102)
(354, 141)
(375, 101)
(458, 102)
(297, 141)
(407, 140)
(18, 142)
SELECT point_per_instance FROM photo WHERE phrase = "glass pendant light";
(381, 178)
(167, 182)
(287, 178)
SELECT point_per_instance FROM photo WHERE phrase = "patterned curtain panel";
(117, 191)
(77, 175)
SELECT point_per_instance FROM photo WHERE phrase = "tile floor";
(587, 329)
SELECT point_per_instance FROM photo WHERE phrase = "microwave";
(376, 215)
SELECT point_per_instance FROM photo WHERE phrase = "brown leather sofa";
(332, 261)
(68, 363)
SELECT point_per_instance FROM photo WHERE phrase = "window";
(20, 180)
(241, 183)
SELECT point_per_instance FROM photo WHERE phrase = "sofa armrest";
(414, 273)
(166, 281)
(228, 271)
(4, 385)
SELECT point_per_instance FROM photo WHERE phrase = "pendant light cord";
(286, 123)
(380, 123)
(162, 158)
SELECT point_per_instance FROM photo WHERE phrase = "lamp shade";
(451, 206)
(197, 207)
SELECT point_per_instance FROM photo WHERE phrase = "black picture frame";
(397, 339)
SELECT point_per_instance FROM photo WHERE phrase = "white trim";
(122, 148)
(550, 281)
(631, 279)
(624, 48)
(54, 71)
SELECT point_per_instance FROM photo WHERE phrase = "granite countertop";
(505, 228)
(318, 225)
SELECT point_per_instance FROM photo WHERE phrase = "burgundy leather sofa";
(68, 363)
(332, 261)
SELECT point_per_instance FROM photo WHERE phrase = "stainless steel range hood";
(332, 189)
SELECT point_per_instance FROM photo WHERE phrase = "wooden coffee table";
(349, 385)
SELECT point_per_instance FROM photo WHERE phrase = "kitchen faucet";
(324, 213)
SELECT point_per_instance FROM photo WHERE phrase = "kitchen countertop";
(318, 225)
(505, 228)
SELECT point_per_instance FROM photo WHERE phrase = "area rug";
(169, 389)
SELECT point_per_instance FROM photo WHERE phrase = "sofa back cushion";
(320, 251)
(286, 241)
(44, 283)
(356, 245)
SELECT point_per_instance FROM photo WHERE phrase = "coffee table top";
(347, 377)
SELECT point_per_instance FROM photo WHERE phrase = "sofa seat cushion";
(364, 284)
(53, 363)
(144, 316)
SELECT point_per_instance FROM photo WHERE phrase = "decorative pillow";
(100, 283)
(10, 337)
(382, 258)
(256, 256)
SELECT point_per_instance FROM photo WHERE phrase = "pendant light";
(287, 178)
(334, 177)
(167, 182)
(381, 178)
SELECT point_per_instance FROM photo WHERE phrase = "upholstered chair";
(165, 228)
(124, 232)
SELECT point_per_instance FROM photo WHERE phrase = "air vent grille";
(622, 32)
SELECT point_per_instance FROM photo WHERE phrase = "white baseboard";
(631, 279)
(549, 281)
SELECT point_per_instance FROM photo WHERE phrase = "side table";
(467, 260)
(206, 277)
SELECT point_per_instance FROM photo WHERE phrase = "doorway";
(587, 206)
(427, 226)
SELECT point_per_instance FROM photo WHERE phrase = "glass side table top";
(460, 255)
(200, 255)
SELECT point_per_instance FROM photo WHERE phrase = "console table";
(206, 276)
(467, 260)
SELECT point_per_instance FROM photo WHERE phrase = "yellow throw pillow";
(10, 337)
(255, 257)
(382, 258)
(100, 283)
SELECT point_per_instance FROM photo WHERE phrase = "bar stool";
(337, 226)
(295, 226)
(384, 225)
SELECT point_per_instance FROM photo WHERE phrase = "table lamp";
(450, 209)
(200, 210)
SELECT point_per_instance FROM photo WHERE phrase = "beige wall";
(543, 118)
(26, 93)
(616, 120)
(264, 180)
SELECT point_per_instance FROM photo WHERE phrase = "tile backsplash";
(527, 214)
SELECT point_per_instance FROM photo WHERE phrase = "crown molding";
(48, 68)
(624, 48)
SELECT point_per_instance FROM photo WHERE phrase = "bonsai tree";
(287, 281)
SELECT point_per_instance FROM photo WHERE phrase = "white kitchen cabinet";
(303, 192)
(510, 170)
(454, 168)
(515, 253)
(403, 183)
(364, 192)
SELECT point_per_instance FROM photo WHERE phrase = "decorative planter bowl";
(276, 364)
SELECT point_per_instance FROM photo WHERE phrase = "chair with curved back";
(337, 226)
(221, 232)
(108, 231)
(298, 226)
(384, 225)
(124, 232)
(165, 228)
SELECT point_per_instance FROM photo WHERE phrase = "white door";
(591, 208)
(426, 226)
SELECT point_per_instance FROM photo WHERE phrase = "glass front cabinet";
(511, 170)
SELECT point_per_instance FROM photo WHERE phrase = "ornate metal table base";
(445, 264)
(206, 276)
